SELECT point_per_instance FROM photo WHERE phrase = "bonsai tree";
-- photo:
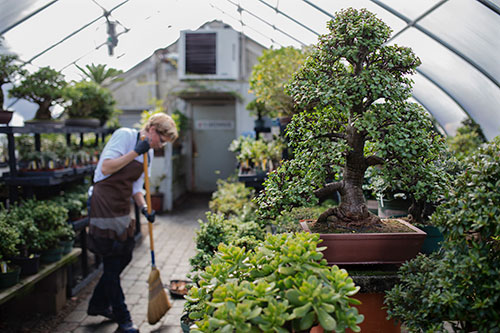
(272, 71)
(89, 100)
(353, 93)
(44, 87)
(9, 71)
(460, 283)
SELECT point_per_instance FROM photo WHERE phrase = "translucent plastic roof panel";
(447, 113)
(452, 24)
(457, 40)
(477, 95)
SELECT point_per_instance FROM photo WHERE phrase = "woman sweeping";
(119, 177)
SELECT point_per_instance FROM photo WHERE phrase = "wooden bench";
(44, 292)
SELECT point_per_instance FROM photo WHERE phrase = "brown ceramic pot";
(371, 248)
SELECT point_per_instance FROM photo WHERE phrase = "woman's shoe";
(105, 313)
(128, 327)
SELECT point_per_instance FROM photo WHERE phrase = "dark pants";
(108, 291)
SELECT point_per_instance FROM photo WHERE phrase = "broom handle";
(148, 202)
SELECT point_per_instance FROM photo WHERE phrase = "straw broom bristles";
(158, 300)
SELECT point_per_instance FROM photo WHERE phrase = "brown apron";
(111, 230)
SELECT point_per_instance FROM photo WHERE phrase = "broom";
(158, 301)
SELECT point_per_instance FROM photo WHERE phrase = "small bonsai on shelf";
(44, 87)
(89, 101)
(9, 70)
(353, 93)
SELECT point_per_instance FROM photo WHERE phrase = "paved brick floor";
(174, 244)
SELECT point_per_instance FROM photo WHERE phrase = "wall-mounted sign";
(214, 124)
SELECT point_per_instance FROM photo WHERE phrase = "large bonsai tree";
(45, 87)
(353, 93)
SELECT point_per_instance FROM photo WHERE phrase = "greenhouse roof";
(456, 40)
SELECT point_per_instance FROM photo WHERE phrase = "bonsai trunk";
(352, 213)
(43, 112)
(1, 99)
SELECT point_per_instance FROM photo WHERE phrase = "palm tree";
(99, 73)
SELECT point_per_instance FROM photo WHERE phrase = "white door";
(214, 129)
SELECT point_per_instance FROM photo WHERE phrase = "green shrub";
(284, 285)
(29, 234)
(231, 198)
(217, 230)
(50, 218)
(459, 285)
(9, 237)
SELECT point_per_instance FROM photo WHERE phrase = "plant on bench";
(9, 238)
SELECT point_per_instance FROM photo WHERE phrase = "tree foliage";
(460, 284)
(9, 70)
(353, 91)
(44, 87)
(100, 74)
(269, 76)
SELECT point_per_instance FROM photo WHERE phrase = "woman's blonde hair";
(164, 125)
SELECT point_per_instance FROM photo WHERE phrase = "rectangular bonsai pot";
(371, 248)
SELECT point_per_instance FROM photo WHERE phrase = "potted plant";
(353, 93)
(85, 98)
(182, 125)
(51, 220)
(9, 71)
(157, 196)
(458, 284)
(283, 285)
(29, 246)
(66, 235)
(9, 239)
(45, 87)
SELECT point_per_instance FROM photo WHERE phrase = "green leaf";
(307, 321)
(293, 296)
(301, 311)
(326, 321)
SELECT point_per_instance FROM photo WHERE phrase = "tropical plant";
(9, 71)
(353, 91)
(100, 74)
(273, 70)
(45, 87)
(459, 284)
(284, 285)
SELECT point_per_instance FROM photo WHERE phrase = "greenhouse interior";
(249, 166)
